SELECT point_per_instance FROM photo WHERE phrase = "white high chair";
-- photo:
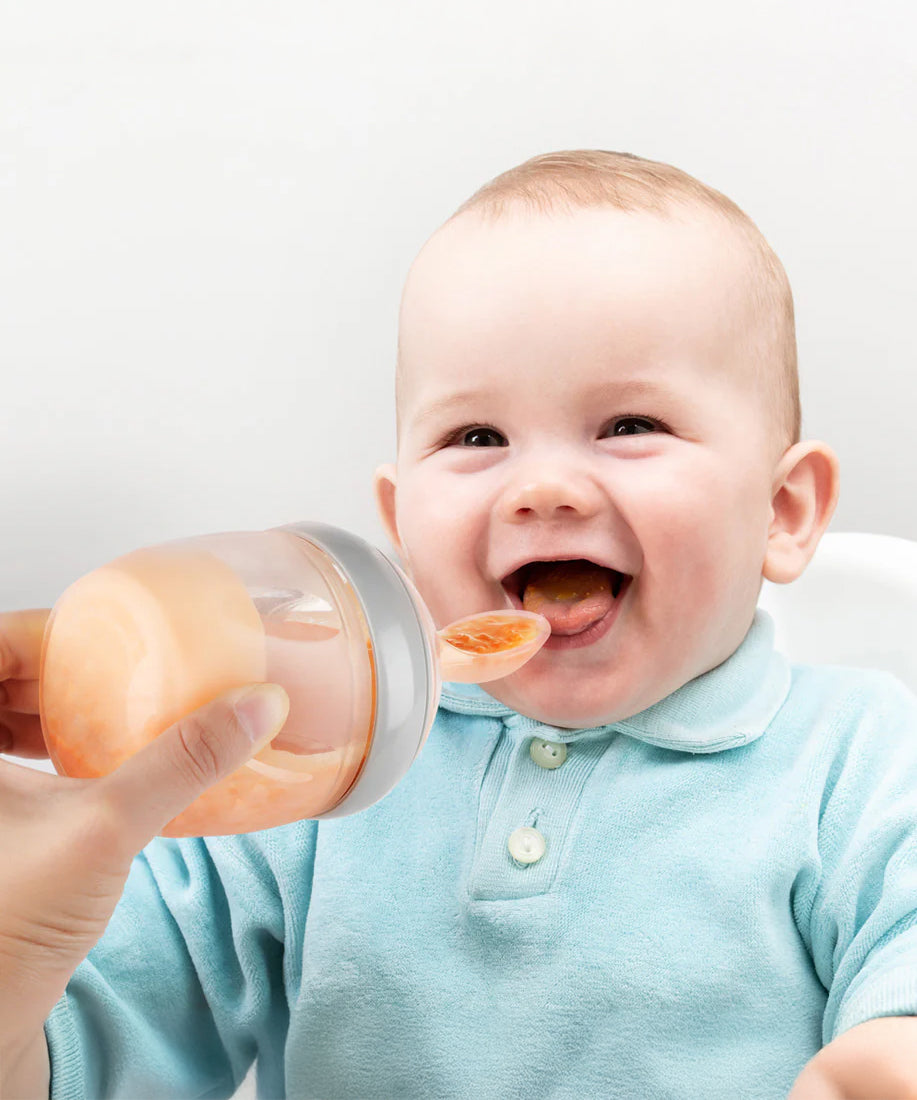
(856, 604)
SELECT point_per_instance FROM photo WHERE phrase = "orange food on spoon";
(490, 645)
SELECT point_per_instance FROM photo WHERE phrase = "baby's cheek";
(427, 508)
(688, 538)
(436, 523)
(426, 560)
(717, 545)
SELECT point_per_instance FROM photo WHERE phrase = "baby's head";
(597, 360)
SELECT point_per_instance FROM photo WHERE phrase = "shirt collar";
(731, 705)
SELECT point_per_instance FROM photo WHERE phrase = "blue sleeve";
(860, 917)
(190, 982)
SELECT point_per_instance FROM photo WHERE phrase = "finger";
(20, 735)
(161, 780)
(20, 643)
(19, 695)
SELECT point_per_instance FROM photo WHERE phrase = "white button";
(526, 845)
(547, 754)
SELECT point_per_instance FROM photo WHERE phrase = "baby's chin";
(554, 706)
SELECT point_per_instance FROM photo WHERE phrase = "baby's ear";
(384, 481)
(805, 492)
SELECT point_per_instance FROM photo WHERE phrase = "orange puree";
(490, 645)
(488, 634)
(132, 647)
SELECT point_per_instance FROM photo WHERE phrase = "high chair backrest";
(856, 604)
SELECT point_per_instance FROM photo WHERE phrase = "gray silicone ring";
(407, 677)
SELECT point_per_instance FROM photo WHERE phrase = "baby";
(658, 861)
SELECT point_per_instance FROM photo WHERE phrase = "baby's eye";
(463, 435)
(622, 425)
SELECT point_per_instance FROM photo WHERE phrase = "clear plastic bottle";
(134, 645)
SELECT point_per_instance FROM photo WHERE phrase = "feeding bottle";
(136, 644)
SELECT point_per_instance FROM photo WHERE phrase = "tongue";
(570, 594)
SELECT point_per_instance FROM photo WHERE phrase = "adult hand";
(68, 843)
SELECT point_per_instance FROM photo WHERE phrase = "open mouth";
(580, 598)
(516, 583)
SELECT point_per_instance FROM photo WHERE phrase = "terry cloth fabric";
(729, 881)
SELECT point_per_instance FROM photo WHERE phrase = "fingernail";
(262, 710)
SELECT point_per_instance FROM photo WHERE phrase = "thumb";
(165, 777)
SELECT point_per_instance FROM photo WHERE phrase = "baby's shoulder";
(845, 710)
(849, 690)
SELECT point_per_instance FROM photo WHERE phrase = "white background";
(208, 210)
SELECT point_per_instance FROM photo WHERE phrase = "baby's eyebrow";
(454, 400)
(622, 389)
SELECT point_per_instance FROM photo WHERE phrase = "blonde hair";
(594, 177)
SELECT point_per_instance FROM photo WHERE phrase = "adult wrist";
(25, 1068)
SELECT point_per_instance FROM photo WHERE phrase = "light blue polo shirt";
(700, 897)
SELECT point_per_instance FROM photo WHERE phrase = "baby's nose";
(551, 495)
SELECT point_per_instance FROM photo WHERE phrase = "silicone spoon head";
(489, 645)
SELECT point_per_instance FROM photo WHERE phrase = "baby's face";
(575, 387)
